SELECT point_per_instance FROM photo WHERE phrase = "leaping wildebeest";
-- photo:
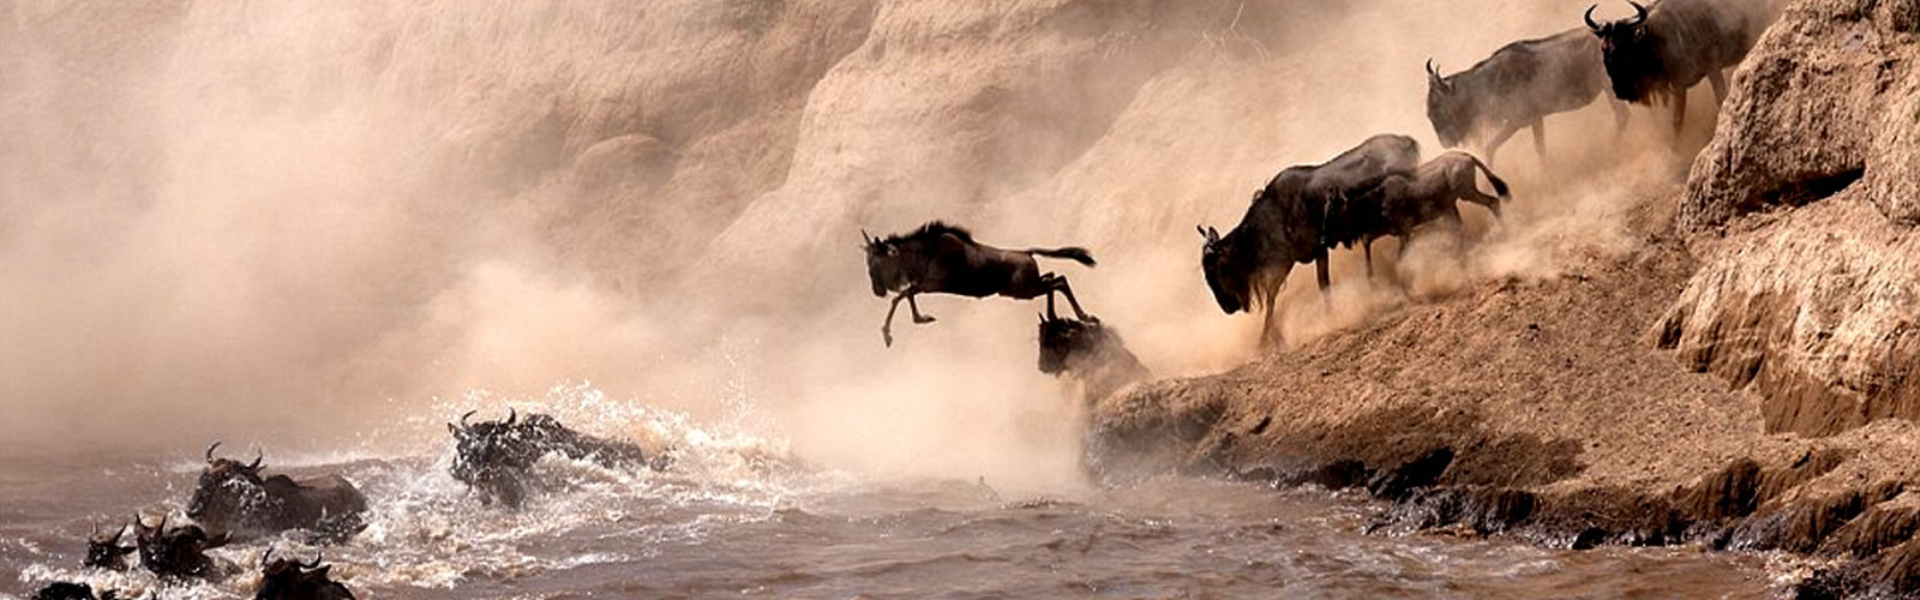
(1246, 267)
(1662, 51)
(939, 258)
(232, 497)
(1517, 88)
(1397, 203)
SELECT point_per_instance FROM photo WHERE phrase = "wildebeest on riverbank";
(1090, 353)
(235, 498)
(1518, 87)
(1661, 52)
(1395, 204)
(1246, 267)
(939, 258)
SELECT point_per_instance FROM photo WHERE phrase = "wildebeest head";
(492, 455)
(176, 552)
(885, 265)
(285, 579)
(227, 489)
(1229, 285)
(104, 549)
(65, 590)
(1450, 110)
(1625, 49)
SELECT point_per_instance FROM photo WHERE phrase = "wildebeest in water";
(1661, 52)
(284, 579)
(1397, 203)
(495, 457)
(233, 497)
(62, 590)
(104, 550)
(178, 551)
(1517, 87)
(1246, 268)
(1090, 353)
(944, 259)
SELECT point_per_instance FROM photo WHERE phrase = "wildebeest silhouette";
(233, 497)
(939, 258)
(1396, 203)
(1518, 87)
(1662, 51)
(285, 579)
(104, 550)
(495, 457)
(177, 551)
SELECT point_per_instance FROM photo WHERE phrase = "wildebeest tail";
(1074, 253)
(1499, 185)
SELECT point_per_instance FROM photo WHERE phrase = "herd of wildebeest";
(1378, 188)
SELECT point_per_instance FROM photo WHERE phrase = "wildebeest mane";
(932, 229)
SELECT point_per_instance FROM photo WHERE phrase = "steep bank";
(1554, 411)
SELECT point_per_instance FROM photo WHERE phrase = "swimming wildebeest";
(943, 259)
(1247, 267)
(234, 498)
(104, 549)
(494, 457)
(1518, 87)
(1397, 203)
(1090, 353)
(1661, 52)
(178, 551)
(283, 579)
(61, 590)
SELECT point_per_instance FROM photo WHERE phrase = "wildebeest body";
(234, 498)
(1517, 87)
(177, 551)
(283, 579)
(1662, 51)
(939, 258)
(495, 457)
(1246, 267)
(1395, 204)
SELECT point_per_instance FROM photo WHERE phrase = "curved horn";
(1431, 72)
(1589, 17)
(266, 558)
(216, 444)
(258, 456)
(512, 416)
(1639, 13)
(868, 239)
(93, 528)
(316, 560)
(163, 523)
(463, 418)
(1203, 232)
(121, 533)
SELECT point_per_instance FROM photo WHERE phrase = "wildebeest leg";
(886, 329)
(1719, 81)
(1320, 272)
(1366, 245)
(1619, 117)
(1056, 282)
(1493, 147)
(1679, 111)
(914, 307)
(1539, 138)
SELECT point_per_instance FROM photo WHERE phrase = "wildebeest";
(1517, 87)
(234, 498)
(494, 457)
(178, 551)
(62, 590)
(943, 259)
(1247, 267)
(284, 579)
(104, 550)
(1090, 353)
(1397, 203)
(1661, 52)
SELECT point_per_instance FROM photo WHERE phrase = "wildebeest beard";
(1631, 56)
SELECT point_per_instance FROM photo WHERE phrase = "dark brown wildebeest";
(1660, 53)
(1090, 353)
(177, 552)
(494, 457)
(283, 579)
(62, 590)
(1246, 268)
(943, 259)
(104, 550)
(1518, 87)
(233, 498)
(1397, 203)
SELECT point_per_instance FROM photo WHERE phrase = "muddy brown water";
(732, 523)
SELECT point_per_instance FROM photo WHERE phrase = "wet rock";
(1400, 481)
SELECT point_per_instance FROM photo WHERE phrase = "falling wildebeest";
(1090, 353)
(284, 579)
(104, 550)
(1246, 268)
(178, 551)
(494, 457)
(1518, 87)
(234, 498)
(62, 590)
(1397, 203)
(944, 259)
(1661, 52)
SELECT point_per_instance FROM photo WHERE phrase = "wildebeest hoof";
(922, 320)
(1090, 319)
(887, 336)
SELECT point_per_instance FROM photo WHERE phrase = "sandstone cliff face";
(1802, 211)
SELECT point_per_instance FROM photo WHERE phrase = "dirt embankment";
(1742, 380)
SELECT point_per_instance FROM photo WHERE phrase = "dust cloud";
(291, 223)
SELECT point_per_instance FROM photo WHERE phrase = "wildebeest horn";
(267, 557)
(258, 456)
(1589, 17)
(1432, 74)
(1203, 231)
(216, 444)
(463, 418)
(1639, 13)
(868, 239)
(316, 560)
(512, 416)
